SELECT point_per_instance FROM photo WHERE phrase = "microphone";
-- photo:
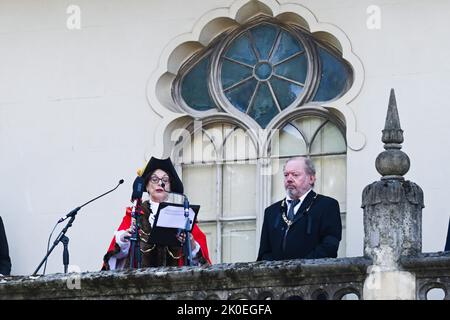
(163, 185)
(138, 188)
(136, 196)
(74, 211)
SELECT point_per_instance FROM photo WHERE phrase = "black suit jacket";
(5, 261)
(447, 244)
(313, 234)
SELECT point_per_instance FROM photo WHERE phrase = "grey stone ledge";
(174, 280)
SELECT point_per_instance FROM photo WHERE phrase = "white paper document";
(173, 217)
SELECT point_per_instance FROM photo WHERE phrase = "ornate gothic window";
(260, 70)
(262, 75)
(322, 138)
(219, 172)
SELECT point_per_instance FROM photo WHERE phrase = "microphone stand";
(187, 224)
(187, 244)
(135, 249)
(136, 199)
(65, 241)
(62, 235)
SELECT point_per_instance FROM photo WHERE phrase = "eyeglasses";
(156, 179)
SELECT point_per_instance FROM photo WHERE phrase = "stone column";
(392, 218)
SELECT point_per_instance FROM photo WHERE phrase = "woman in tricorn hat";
(159, 176)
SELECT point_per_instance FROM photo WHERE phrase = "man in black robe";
(5, 261)
(304, 225)
(447, 244)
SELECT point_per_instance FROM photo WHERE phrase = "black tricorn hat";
(165, 165)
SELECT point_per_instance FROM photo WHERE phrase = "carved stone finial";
(392, 163)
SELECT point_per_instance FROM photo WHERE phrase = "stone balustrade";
(393, 266)
(291, 279)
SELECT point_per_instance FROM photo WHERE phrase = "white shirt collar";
(301, 198)
(154, 209)
(154, 206)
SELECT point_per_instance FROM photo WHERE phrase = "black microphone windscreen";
(120, 181)
(138, 188)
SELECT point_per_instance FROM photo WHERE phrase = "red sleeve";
(126, 223)
(200, 237)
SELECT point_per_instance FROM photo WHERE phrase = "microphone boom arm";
(62, 235)
(75, 211)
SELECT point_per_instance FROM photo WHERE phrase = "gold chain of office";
(283, 214)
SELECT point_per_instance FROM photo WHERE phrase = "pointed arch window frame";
(215, 50)
(219, 164)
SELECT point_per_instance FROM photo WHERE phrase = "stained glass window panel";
(264, 37)
(194, 87)
(335, 77)
(240, 96)
(285, 91)
(263, 108)
(241, 50)
(294, 69)
(233, 72)
(286, 47)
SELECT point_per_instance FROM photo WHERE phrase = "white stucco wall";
(74, 114)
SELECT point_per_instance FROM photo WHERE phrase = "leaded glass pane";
(330, 169)
(308, 126)
(241, 95)
(200, 148)
(328, 140)
(239, 241)
(286, 47)
(264, 37)
(200, 183)
(262, 71)
(263, 108)
(241, 50)
(281, 60)
(233, 72)
(334, 78)
(210, 231)
(278, 191)
(293, 69)
(287, 142)
(236, 178)
(331, 173)
(215, 136)
(239, 146)
(285, 91)
(194, 87)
